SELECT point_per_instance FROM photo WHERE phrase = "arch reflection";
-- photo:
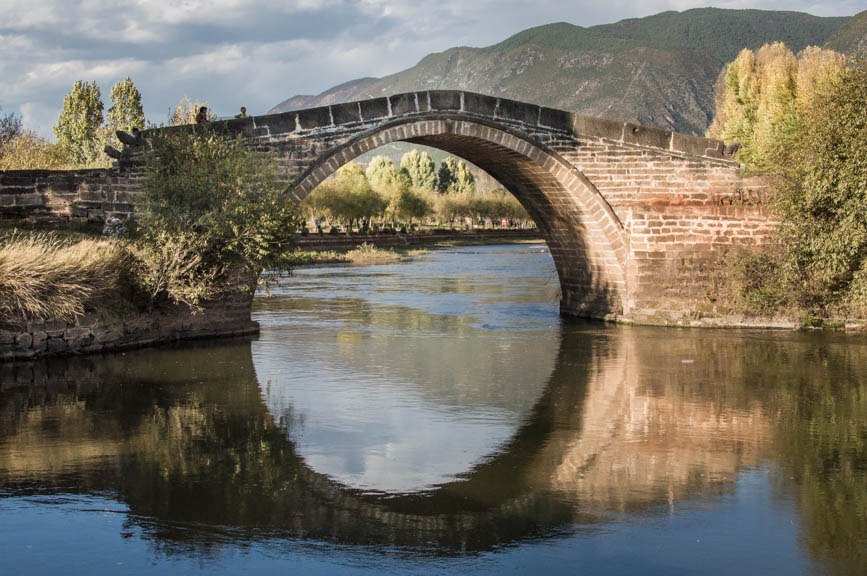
(628, 422)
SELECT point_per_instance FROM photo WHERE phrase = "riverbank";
(111, 317)
(105, 331)
(67, 292)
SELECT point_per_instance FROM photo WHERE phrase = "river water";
(438, 416)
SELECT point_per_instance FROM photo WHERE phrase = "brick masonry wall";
(98, 331)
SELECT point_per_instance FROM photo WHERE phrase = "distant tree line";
(416, 192)
(802, 119)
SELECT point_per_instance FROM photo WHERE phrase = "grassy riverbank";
(60, 271)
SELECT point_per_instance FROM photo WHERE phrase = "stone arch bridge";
(636, 218)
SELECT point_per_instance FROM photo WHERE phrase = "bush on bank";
(211, 214)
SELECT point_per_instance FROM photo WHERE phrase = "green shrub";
(754, 286)
(211, 212)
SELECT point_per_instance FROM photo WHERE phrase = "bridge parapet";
(529, 118)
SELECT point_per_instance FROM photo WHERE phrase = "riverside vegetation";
(802, 120)
(210, 217)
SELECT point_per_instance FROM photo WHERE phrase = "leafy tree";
(455, 177)
(29, 151)
(464, 182)
(420, 168)
(10, 127)
(446, 174)
(126, 110)
(381, 172)
(389, 182)
(823, 195)
(413, 203)
(347, 196)
(78, 128)
(763, 97)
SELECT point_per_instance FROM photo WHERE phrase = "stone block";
(34, 199)
(285, 123)
(518, 112)
(241, 126)
(374, 109)
(39, 339)
(556, 119)
(76, 333)
(55, 345)
(696, 145)
(480, 104)
(19, 190)
(403, 104)
(7, 337)
(646, 136)
(590, 127)
(55, 327)
(107, 336)
(15, 178)
(445, 100)
(345, 113)
(24, 341)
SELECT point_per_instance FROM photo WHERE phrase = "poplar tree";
(420, 168)
(79, 125)
(381, 172)
(126, 110)
(464, 182)
(446, 175)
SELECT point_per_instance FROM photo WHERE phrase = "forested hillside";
(658, 71)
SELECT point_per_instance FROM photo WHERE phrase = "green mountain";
(657, 71)
(851, 38)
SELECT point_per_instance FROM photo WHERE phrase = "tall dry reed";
(43, 277)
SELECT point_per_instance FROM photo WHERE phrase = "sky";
(257, 53)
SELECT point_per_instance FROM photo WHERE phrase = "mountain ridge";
(657, 71)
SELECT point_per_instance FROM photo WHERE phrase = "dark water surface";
(439, 417)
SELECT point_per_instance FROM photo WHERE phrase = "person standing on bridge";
(243, 113)
(202, 116)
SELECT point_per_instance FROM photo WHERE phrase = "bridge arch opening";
(586, 240)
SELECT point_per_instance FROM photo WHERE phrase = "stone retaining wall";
(101, 331)
(77, 195)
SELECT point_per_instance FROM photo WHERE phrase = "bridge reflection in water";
(630, 420)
